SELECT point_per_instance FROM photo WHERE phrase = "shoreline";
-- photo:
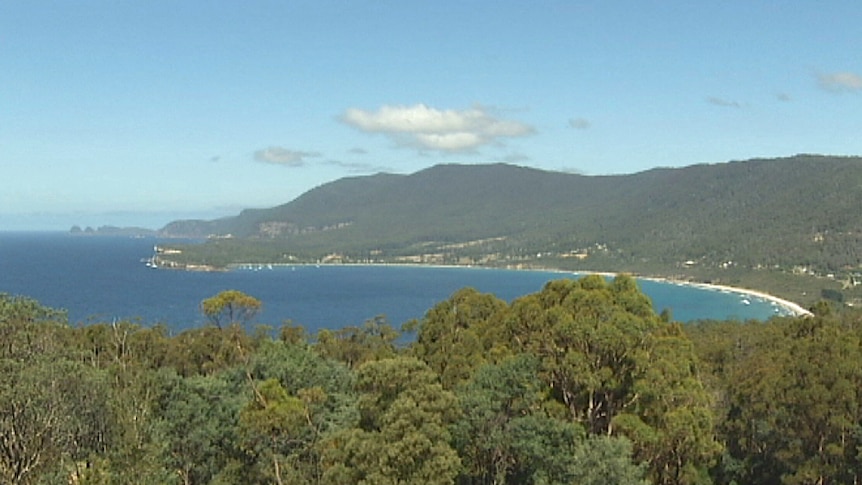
(795, 309)
(792, 308)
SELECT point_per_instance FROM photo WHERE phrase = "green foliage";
(54, 411)
(579, 383)
(354, 346)
(208, 350)
(402, 435)
(831, 294)
(619, 368)
(197, 419)
(460, 334)
(54, 414)
(271, 426)
(291, 379)
(606, 460)
(791, 408)
(504, 434)
(230, 307)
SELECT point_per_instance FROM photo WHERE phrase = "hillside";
(795, 214)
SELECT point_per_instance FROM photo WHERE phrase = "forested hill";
(798, 211)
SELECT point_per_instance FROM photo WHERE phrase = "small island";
(112, 231)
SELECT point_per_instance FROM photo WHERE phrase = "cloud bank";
(840, 82)
(282, 156)
(429, 128)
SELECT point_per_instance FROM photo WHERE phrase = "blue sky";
(141, 112)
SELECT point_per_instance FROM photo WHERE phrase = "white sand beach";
(791, 307)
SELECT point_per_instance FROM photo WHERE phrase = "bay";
(104, 278)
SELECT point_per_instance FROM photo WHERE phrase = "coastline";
(790, 307)
(793, 308)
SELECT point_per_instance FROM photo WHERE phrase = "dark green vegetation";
(787, 226)
(580, 383)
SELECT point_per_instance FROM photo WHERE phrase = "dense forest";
(789, 226)
(580, 383)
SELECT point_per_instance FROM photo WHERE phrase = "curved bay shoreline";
(793, 308)
(788, 306)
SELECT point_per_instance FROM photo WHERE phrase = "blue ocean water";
(99, 279)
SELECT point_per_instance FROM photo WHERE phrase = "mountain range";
(797, 211)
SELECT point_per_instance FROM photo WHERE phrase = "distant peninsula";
(113, 231)
(789, 226)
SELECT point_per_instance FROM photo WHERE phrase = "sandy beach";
(793, 308)
(790, 307)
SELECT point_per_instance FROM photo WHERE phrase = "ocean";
(104, 278)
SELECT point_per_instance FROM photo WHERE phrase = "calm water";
(103, 278)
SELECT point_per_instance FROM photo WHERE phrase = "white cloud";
(282, 156)
(433, 129)
(840, 82)
(450, 142)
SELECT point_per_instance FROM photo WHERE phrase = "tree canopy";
(579, 383)
(230, 307)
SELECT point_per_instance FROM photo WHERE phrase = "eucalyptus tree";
(620, 369)
(460, 334)
(794, 410)
(402, 434)
(298, 398)
(230, 307)
(272, 429)
(505, 434)
(54, 409)
(352, 345)
(196, 418)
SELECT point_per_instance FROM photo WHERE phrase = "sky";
(129, 113)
